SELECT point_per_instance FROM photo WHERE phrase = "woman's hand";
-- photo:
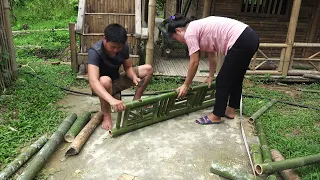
(208, 81)
(182, 90)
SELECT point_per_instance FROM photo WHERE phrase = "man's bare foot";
(107, 122)
(230, 113)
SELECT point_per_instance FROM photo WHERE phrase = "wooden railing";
(284, 64)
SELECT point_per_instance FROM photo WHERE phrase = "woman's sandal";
(205, 121)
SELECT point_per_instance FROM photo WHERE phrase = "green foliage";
(31, 111)
(164, 83)
(51, 42)
(38, 10)
(294, 131)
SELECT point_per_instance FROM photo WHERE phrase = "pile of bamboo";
(72, 129)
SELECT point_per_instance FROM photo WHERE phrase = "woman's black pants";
(230, 78)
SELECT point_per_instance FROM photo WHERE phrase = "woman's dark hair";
(116, 33)
(178, 21)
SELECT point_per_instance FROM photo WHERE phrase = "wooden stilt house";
(288, 29)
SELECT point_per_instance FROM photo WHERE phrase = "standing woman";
(236, 40)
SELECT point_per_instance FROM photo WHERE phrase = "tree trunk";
(22, 158)
(77, 126)
(40, 159)
(85, 133)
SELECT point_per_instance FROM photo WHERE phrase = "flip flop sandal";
(205, 121)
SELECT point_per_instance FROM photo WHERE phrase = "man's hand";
(208, 81)
(136, 80)
(182, 90)
(117, 105)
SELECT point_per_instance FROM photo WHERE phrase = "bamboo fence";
(8, 67)
(164, 106)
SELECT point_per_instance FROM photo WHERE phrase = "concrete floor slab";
(174, 149)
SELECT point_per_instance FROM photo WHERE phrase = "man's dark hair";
(115, 33)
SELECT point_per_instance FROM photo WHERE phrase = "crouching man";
(104, 60)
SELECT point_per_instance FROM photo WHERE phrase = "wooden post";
(14, 67)
(138, 18)
(206, 12)
(207, 8)
(73, 47)
(151, 23)
(290, 35)
(314, 27)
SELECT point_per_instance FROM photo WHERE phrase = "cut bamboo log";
(288, 174)
(271, 167)
(22, 158)
(40, 159)
(77, 126)
(231, 173)
(312, 76)
(256, 154)
(84, 134)
(257, 114)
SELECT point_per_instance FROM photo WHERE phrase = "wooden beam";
(151, 24)
(138, 18)
(290, 35)
(314, 27)
(73, 47)
(80, 19)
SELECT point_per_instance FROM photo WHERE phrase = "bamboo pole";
(313, 76)
(77, 126)
(207, 8)
(257, 114)
(84, 134)
(13, 63)
(40, 159)
(271, 167)
(73, 47)
(290, 35)
(288, 174)
(151, 24)
(22, 158)
(282, 54)
(230, 173)
(314, 26)
(256, 154)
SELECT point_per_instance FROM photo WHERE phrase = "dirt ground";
(174, 149)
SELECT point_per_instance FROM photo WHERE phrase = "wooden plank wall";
(110, 6)
(97, 23)
(89, 40)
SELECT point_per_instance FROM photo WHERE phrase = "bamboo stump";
(83, 136)
(23, 157)
(40, 159)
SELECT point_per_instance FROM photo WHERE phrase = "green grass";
(294, 131)
(30, 106)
